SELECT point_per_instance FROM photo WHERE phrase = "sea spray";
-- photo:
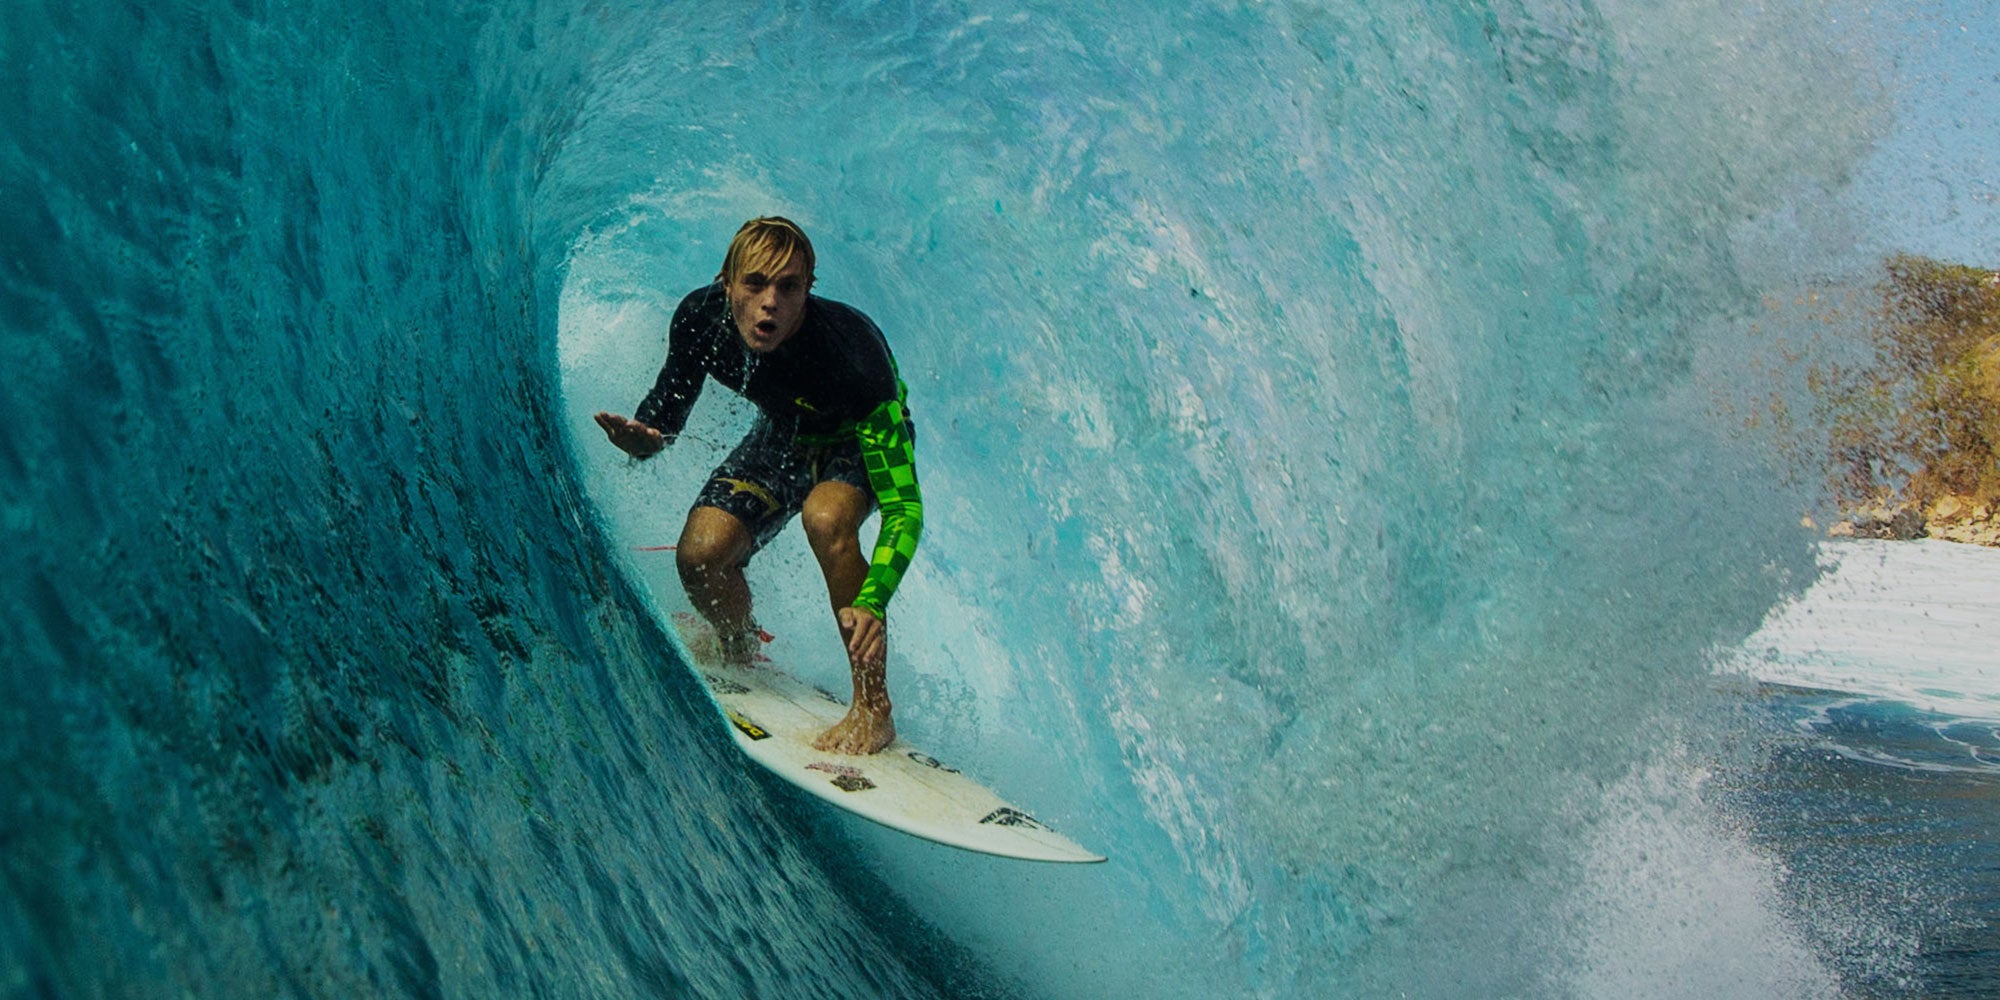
(1309, 415)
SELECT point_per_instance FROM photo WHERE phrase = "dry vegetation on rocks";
(1914, 434)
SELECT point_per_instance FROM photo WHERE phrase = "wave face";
(1325, 505)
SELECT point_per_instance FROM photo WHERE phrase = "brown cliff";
(1916, 433)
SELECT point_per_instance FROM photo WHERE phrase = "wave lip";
(317, 680)
(1349, 470)
(1322, 449)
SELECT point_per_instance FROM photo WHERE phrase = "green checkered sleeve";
(891, 459)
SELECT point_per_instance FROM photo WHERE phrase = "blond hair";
(766, 244)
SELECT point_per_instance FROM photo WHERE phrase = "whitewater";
(1328, 513)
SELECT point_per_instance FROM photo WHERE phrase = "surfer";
(832, 441)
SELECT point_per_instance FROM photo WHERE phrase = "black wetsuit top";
(832, 380)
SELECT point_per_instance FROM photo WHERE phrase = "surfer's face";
(769, 307)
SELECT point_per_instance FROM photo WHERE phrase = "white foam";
(1672, 902)
(1913, 622)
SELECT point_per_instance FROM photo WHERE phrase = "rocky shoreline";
(1915, 436)
(1950, 518)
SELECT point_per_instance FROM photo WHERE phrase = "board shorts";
(765, 481)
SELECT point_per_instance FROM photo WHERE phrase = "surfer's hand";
(631, 437)
(867, 637)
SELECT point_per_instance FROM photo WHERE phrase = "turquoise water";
(1328, 515)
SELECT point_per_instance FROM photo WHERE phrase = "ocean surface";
(1887, 672)
(1331, 513)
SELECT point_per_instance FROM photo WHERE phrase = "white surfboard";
(774, 718)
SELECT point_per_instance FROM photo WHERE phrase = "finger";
(868, 636)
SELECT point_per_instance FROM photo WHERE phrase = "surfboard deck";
(774, 718)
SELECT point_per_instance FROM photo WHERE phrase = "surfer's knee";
(832, 519)
(712, 540)
(830, 532)
(832, 515)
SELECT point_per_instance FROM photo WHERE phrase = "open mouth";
(767, 327)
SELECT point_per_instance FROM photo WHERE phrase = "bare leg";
(832, 518)
(710, 557)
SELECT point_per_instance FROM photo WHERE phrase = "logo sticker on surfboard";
(931, 762)
(748, 728)
(723, 685)
(1004, 816)
(845, 778)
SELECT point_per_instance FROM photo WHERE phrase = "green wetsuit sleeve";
(889, 454)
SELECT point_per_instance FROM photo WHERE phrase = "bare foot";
(744, 649)
(741, 649)
(862, 731)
